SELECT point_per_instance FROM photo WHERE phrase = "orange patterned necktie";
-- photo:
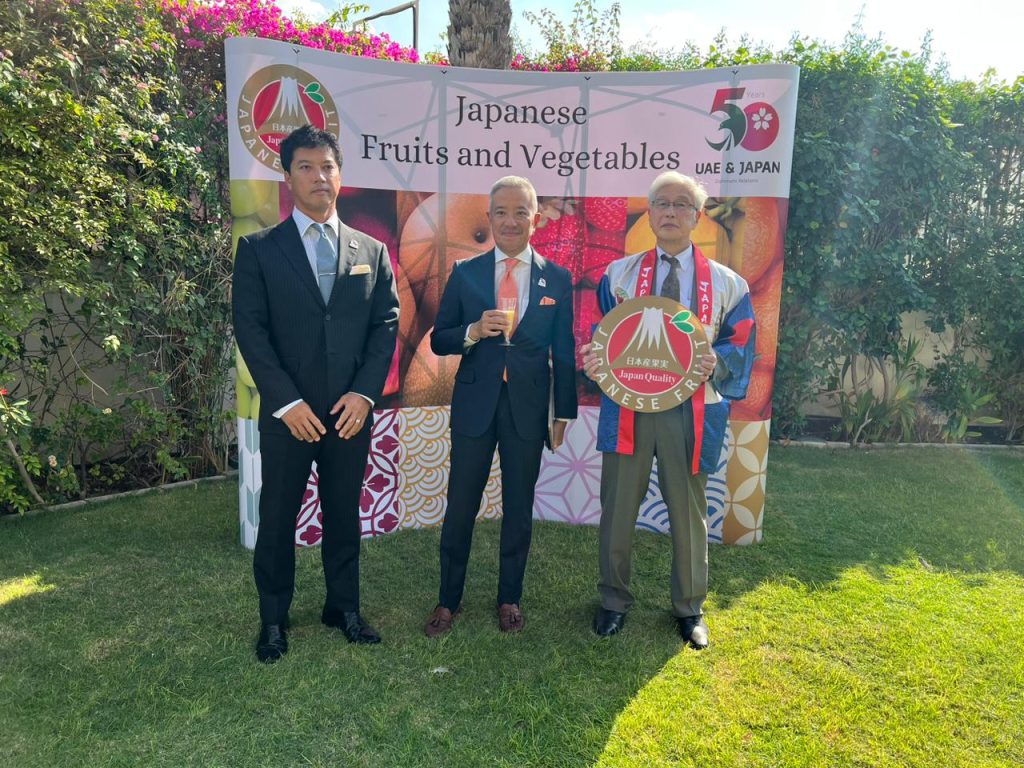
(508, 289)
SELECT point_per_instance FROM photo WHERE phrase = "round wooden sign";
(649, 350)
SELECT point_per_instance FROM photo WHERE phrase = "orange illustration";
(756, 237)
(429, 379)
(757, 404)
(430, 245)
(765, 295)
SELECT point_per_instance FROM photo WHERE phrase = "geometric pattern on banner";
(249, 481)
(423, 468)
(406, 480)
(745, 483)
(378, 504)
(717, 491)
(378, 501)
(569, 486)
(654, 511)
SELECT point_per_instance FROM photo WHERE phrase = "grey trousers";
(624, 482)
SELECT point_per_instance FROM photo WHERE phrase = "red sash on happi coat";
(702, 290)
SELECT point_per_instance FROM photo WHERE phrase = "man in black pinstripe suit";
(316, 318)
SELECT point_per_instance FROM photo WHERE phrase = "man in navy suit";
(503, 394)
(316, 318)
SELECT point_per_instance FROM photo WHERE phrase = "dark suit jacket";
(544, 333)
(295, 346)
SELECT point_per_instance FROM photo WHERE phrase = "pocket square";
(547, 301)
(360, 269)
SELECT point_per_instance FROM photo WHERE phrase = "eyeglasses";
(681, 207)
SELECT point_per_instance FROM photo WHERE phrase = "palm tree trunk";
(478, 33)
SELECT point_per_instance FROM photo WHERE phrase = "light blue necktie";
(326, 263)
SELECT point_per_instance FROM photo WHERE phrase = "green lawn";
(880, 623)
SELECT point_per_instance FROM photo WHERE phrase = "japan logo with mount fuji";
(274, 102)
(649, 352)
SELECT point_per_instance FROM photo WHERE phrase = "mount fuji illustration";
(649, 340)
(288, 112)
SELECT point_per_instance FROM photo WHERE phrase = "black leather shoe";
(694, 631)
(272, 643)
(608, 623)
(352, 625)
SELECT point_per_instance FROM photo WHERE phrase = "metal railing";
(414, 5)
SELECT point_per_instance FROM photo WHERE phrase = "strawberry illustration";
(563, 240)
(607, 213)
(603, 247)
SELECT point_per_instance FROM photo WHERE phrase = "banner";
(422, 146)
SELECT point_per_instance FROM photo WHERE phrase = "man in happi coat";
(687, 440)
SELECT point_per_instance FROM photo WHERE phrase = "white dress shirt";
(310, 237)
(685, 275)
(522, 277)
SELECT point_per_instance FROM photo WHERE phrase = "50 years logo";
(754, 127)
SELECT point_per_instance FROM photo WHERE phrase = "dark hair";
(307, 137)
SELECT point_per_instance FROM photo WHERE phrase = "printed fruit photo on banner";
(255, 205)
(750, 241)
(374, 212)
(439, 231)
(436, 231)
(247, 398)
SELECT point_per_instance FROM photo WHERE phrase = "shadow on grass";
(141, 652)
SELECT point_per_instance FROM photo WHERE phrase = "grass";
(880, 623)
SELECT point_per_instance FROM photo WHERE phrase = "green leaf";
(681, 321)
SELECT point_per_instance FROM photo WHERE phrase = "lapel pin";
(542, 283)
(353, 243)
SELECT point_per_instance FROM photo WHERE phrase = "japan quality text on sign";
(649, 350)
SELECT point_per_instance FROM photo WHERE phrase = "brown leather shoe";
(510, 618)
(440, 621)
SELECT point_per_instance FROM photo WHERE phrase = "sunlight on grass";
(780, 685)
(879, 624)
(14, 589)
